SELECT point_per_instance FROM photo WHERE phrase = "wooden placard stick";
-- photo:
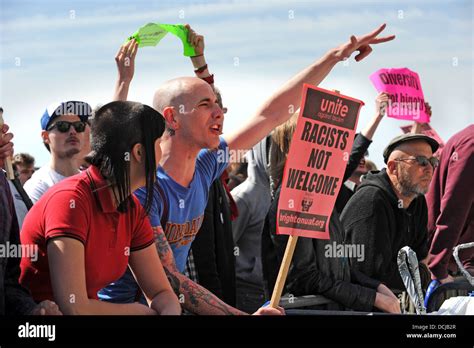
(283, 273)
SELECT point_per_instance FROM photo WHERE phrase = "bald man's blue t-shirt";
(183, 210)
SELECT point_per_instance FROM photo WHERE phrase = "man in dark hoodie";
(388, 210)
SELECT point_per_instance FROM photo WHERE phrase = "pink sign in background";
(426, 129)
(406, 95)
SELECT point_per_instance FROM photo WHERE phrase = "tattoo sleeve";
(197, 299)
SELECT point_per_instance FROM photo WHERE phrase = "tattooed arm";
(197, 299)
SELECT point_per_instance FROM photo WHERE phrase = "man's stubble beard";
(69, 153)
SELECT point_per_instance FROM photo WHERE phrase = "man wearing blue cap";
(63, 132)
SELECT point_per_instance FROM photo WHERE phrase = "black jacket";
(359, 148)
(373, 218)
(311, 272)
(213, 247)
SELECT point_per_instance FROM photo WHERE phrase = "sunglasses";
(64, 126)
(422, 160)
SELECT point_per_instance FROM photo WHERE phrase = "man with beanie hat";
(388, 210)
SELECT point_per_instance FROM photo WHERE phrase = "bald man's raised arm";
(275, 110)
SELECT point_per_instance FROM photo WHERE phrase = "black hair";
(117, 127)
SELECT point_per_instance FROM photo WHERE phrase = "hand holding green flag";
(152, 33)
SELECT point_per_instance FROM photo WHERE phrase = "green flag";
(152, 33)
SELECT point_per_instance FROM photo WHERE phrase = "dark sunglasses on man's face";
(64, 126)
(422, 160)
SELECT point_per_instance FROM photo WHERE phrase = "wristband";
(209, 79)
(201, 69)
(198, 61)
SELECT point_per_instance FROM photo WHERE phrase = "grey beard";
(408, 189)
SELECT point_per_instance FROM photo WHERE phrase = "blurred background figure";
(237, 173)
(370, 165)
(24, 166)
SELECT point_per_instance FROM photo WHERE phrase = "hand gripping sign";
(314, 169)
(11, 175)
(8, 161)
(406, 96)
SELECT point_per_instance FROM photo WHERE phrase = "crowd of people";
(140, 211)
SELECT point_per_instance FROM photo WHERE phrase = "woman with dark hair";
(89, 227)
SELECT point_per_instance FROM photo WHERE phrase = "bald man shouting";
(195, 154)
(388, 210)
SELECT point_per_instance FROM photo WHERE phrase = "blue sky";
(55, 50)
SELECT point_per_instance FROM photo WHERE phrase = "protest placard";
(318, 157)
(314, 170)
(406, 95)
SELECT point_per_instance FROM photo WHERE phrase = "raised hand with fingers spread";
(362, 44)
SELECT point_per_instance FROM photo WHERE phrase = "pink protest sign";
(426, 129)
(316, 162)
(406, 96)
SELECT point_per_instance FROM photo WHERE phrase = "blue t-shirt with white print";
(185, 213)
